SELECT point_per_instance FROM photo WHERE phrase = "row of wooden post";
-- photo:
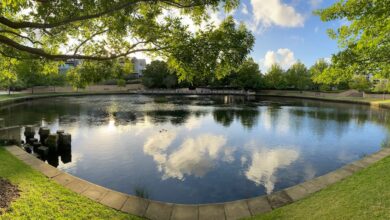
(48, 142)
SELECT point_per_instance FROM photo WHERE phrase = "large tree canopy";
(211, 53)
(364, 37)
(95, 29)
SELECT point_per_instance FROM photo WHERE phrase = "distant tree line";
(249, 77)
(29, 73)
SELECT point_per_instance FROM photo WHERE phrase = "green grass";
(41, 198)
(364, 195)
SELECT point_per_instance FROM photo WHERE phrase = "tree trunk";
(32, 89)
(9, 90)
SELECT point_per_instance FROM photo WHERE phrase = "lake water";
(190, 149)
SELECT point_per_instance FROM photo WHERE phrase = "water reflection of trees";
(173, 116)
(248, 117)
(343, 115)
(35, 111)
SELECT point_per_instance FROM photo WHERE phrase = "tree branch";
(26, 24)
(44, 54)
(21, 36)
(88, 39)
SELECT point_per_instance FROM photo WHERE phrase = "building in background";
(139, 65)
(68, 64)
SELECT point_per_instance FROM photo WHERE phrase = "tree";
(360, 82)
(8, 76)
(248, 75)
(298, 77)
(96, 30)
(275, 77)
(35, 72)
(316, 71)
(158, 75)
(212, 53)
(89, 72)
(364, 39)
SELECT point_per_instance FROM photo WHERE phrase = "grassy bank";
(41, 198)
(364, 195)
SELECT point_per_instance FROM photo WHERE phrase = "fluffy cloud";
(157, 145)
(274, 12)
(244, 9)
(266, 162)
(283, 56)
(315, 3)
(195, 156)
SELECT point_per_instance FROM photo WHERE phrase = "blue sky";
(287, 31)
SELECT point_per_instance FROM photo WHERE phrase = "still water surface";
(189, 149)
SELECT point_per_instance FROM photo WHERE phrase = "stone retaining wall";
(12, 134)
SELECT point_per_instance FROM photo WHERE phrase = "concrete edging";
(160, 210)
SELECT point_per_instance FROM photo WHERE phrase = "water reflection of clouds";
(195, 156)
(266, 162)
(157, 146)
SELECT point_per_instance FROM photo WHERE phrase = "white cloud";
(157, 145)
(283, 56)
(244, 9)
(266, 162)
(274, 12)
(195, 156)
(315, 3)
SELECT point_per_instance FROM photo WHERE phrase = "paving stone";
(212, 212)
(158, 211)
(185, 212)
(259, 205)
(369, 160)
(95, 192)
(114, 200)
(48, 170)
(15, 150)
(386, 150)
(352, 168)
(64, 179)
(361, 163)
(237, 210)
(33, 162)
(279, 199)
(135, 205)
(78, 186)
(313, 185)
(297, 192)
(343, 173)
(25, 156)
(329, 178)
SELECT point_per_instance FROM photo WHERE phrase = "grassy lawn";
(41, 198)
(364, 195)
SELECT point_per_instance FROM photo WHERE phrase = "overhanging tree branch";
(88, 39)
(26, 24)
(44, 54)
(20, 36)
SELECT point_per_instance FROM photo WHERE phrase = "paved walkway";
(160, 210)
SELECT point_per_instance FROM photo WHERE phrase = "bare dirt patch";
(8, 193)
